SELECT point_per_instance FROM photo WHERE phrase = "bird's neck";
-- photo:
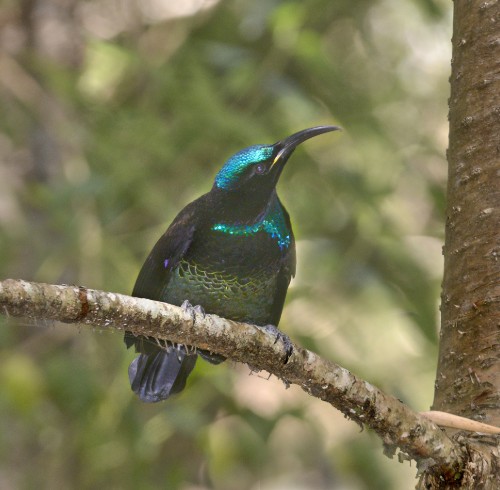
(239, 208)
(243, 219)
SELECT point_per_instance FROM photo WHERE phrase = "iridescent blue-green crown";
(236, 165)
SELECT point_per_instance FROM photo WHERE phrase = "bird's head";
(256, 169)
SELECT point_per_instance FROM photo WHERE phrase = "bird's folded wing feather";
(165, 256)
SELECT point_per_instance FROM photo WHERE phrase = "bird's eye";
(260, 168)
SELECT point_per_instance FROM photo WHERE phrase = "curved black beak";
(286, 146)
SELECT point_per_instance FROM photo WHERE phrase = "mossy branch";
(398, 426)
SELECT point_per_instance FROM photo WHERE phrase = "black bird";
(231, 251)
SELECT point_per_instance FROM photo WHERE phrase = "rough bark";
(399, 427)
(468, 374)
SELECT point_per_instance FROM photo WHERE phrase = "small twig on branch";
(397, 425)
(444, 419)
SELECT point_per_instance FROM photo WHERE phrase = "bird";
(231, 252)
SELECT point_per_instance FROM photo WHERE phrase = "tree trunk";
(468, 374)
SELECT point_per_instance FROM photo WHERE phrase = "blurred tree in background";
(115, 114)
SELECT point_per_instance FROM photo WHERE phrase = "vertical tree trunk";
(468, 374)
(468, 377)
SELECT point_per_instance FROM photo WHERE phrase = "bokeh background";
(114, 115)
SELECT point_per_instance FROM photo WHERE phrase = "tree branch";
(397, 425)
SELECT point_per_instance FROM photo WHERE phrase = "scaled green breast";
(238, 298)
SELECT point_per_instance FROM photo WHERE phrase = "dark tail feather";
(160, 373)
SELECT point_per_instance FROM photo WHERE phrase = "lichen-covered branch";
(397, 425)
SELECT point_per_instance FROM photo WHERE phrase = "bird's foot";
(273, 330)
(211, 357)
(193, 310)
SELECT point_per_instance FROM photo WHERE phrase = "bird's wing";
(161, 371)
(157, 269)
(165, 256)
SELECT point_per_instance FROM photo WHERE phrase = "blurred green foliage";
(117, 114)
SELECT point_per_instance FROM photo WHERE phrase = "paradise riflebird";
(231, 251)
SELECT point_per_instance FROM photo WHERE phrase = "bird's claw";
(273, 330)
(193, 310)
(213, 358)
